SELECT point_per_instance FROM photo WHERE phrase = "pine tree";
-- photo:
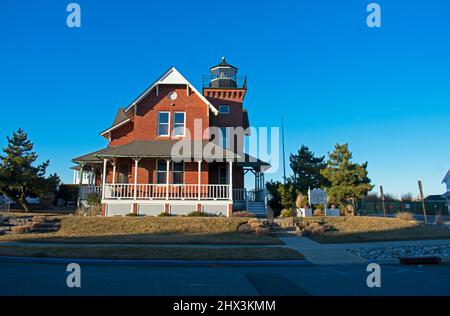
(19, 178)
(307, 170)
(349, 180)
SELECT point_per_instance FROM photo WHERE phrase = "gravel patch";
(389, 253)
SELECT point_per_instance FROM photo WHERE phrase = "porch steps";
(258, 208)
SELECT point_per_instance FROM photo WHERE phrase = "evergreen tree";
(19, 178)
(348, 180)
(307, 170)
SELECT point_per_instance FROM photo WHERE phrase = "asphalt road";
(50, 279)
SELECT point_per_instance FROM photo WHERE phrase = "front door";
(122, 173)
(223, 175)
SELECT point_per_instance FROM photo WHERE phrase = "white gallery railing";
(170, 192)
(85, 190)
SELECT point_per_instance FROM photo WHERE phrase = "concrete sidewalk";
(329, 254)
(320, 254)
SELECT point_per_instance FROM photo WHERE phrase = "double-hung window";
(161, 172)
(179, 124)
(163, 123)
(178, 173)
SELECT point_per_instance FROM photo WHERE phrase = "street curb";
(397, 261)
(161, 263)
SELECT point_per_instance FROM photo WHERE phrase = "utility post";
(423, 202)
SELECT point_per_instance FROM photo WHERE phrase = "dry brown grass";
(153, 253)
(365, 229)
(146, 230)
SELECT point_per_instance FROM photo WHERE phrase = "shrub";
(39, 219)
(164, 214)
(18, 230)
(132, 215)
(313, 228)
(245, 229)
(263, 231)
(94, 203)
(243, 214)
(301, 201)
(255, 223)
(318, 212)
(406, 216)
(287, 212)
(287, 194)
(198, 214)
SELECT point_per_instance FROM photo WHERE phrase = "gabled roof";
(172, 77)
(121, 119)
(447, 176)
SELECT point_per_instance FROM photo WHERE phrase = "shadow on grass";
(419, 232)
(150, 238)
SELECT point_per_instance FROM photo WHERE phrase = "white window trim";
(157, 171)
(168, 127)
(224, 105)
(173, 173)
(184, 124)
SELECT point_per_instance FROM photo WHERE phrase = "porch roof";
(90, 158)
(164, 148)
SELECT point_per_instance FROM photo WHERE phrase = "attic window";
(224, 109)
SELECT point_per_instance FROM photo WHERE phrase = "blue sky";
(385, 91)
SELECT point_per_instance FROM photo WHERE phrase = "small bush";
(255, 223)
(245, 229)
(313, 228)
(198, 214)
(243, 214)
(164, 214)
(318, 212)
(263, 231)
(406, 216)
(132, 215)
(39, 219)
(287, 212)
(18, 230)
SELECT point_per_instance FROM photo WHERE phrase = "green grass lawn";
(366, 229)
(153, 230)
(152, 253)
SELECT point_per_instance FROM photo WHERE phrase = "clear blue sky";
(385, 91)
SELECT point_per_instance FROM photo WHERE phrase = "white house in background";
(447, 193)
(88, 176)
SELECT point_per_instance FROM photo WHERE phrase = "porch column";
(199, 188)
(136, 165)
(167, 178)
(230, 167)
(105, 164)
(80, 182)
(114, 163)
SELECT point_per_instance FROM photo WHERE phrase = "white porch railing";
(85, 190)
(169, 192)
